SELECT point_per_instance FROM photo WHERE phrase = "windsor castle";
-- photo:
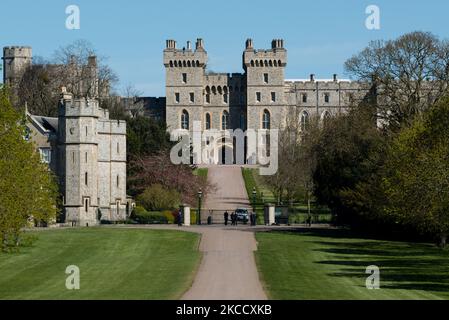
(87, 150)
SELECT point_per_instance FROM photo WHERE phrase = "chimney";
(92, 61)
(189, 46)
(335, 77)
(249, 44)
(312, 77)
(199, 44)
(170, 44)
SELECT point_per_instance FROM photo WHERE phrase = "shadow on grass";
(403, 265)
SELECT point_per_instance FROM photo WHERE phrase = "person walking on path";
(179, 218)
(226, 216)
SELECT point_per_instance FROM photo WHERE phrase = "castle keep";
(258, 98)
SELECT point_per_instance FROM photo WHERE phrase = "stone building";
(258, 98)
(87, 152)
(82, 146)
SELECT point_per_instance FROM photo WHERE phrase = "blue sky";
(319, 35)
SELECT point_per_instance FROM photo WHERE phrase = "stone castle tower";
(16, 60)
(92, 156)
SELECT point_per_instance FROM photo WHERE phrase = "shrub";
(170, 215)
(141, 216)
(156, 198)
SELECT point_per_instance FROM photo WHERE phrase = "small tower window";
(85, 156)
(266, 119)
(304, 97)
(118, 181)
(118, 148)
(184, 77)
(85, 178)
(177, 97)
(225, 98)
(207, 97)
(207, 121)
(273, 97)
(326, 97)
(86, 131)
(225, 120)
(185, 120)
(257, 96)
(192, 97)
(265, 77)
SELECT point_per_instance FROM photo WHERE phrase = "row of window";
(86, 179)
(259, 96)
(184, 80)
(266, 120)
(326, 97)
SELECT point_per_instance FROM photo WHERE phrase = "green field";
(114, 264)
(330, 264)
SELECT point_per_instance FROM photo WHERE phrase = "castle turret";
(265, 82)
(16, 60)
(79, 150)
(185, 69)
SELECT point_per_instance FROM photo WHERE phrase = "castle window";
(225, 98)
(45, 155)
(326, 97)
(207, 97)
(184, 77)
(304, 97)
(177, 97)
(185, 120)
(207, 124)
(265, 77)
(85, 178)
(225, 120)
(304, 121)
(118, 181)
(73, 156)
(266, 119)
(86, 204)
(273, 97)
(85, 156)
(258, 97)
(86, 131)
(192, 97)
(118, 148)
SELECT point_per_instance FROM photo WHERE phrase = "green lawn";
(114, 264)
(330, 264)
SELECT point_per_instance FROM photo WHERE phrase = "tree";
(156, 197)
(410, 73)
(146, 136)
(343, 154)
(28, 190)
(417, 174)
(75, 66)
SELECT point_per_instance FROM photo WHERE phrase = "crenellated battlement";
(185, 57)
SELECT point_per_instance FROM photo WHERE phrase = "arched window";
(252, 63)
(185, 120)
(208, 121)
(304, 121)
(225, 120)
(266, 119)
(171, 63)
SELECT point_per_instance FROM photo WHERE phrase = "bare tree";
(410, 73)
(132, 104)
